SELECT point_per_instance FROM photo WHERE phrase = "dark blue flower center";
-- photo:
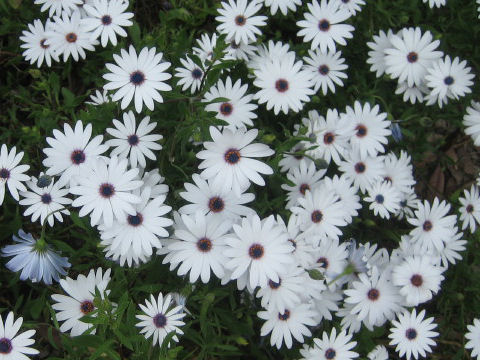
(106, 20)
(137, 78)
(412, 57)
(328, 138)
(216, 204)
(317, 216)
(411, 334)
(373, 294)
(416, 280)
(323, 69)
(256, 251)
(71, 37)
(46, 198)
(133, 140)
(226, 109)
(43, 45)
(4, 174)
(304, 188)
(5, 346)
(135, 220)
(197, 73)
(232, 156)
(284, 316)
(275, 285)
(330, 354)
(427, 225)
(87, 307)
(77, 157)
(360, 167)
(448, 80)
(403, 203)
(361, 130)
(469, 208)
(323, 261)
(106, 190)
(240, 20)
(204, 245)
(281, 85)
(379, 199)
(160, 320)
(324, 25)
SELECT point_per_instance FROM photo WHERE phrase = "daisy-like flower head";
(283, 84)
(375, 299)
(190, 75)
(283, 5)
(376, 57)
(327, 69)
(323, 25)
(264, 53)
(473, 337)
(259, 248)
(471, 121)
(408, 202)
(411, 55)
(384, 199)
(332, 347)
(99, 98)
(304, 178)
(35, 43)
(284, 324)
(433, 227)
(57, 7)
(154, 181)
(238, 51)
(160, 319)
(199, 248)
(330, 257)
(14, 346)
(448, 80)
(470, 209)
(435, 3)
(237, 19)
(412, 93)
(238, 110)
(139, 76)
(302, 251)
(418, 278)
(12, 174)
(378, 353)
(398, 171)
(37, 260)
(80, 300)
(371, 128)
(106, 19)
(363, 172)
(413, 334)
(210, 199)
(72, 152)
(351, 5)
(104, 191)
(42, 201)
(134, 236)
(132, 142)
(68, 36)
(206, 47)
(290, 162)
(347, 195)
(228, 160)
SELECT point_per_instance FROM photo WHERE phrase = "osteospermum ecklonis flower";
(57, 7)
(333, 346)
(376, 56)
(471, 121)
(327, 69)
(190, 75)
(34, 41)
(470, 209)
(11, 173)
(283, 5)
(138, 77)
(15, 346)
(473, 337)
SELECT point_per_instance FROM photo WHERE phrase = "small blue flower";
(35, 258)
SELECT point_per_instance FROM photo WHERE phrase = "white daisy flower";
(199, 248)
(259, 248)
(411, 55)
(473, 337)
(327, 69)
(57, 7)
(412, 93)
(229, 159)
(238, 22)
(45, 201)
(323, 25)
(418, 279)
(68, 36)
(99, 98)
(35, 44)
(132, 142)
(283, 84)
(284, 324)
(302, 251)
(154, 181)
(160, 319)
(448, 80)
(433, 227)
(435, 3)
(14, 346)
(413, 334)
(139, 76)
(206, 47)
(470, 209)
(209, 199)
(304, 178)
(384, 199)
(376, 57)
(346, 193)
(292, 159)
(133, 237)
(330, 258)
(362, 172)
(371, 128)
(35, 258)
(374, 297)
(11, 173)
(190, 75)
(399, 171)
(80, 300)
(353, 6)
(72, 152)
(453, 247)
(471, 121)
(104, 192)
(332, 347)
(320, 213)
(106, 19)
(378, 353)
(283, 5)
(408, 202)
(238, 110)
(238, 51)
(264, 53)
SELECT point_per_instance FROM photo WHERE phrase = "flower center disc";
(106, 190)
(411, 334)
(133, 140)
(416, 280)
(330, 354)
(256, 251)
(46, 198)
(71, 37)
(284, 316)
(323, 261)
(160, 320)
(373, 294)
(469, 208)
(77, 157)
(226, 109)
(240, 20)
(87, 307)
(361, 130)
(379, 199)
(304, 188)
(4, 174)
(135, 220)
(317, 216)
(360, 167)
(204, 245)
(232, 156)
(137, 78)
(281, 85)
(324, 25)
(5, 346)
(106, 20)
(328, 138)
(427, 225)
(216, 204)
(274, 285)
(43, 45)
(448, 80)
(412, 57)
(323, 69)
(197, 73)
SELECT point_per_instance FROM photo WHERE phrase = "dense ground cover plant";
(239, 179)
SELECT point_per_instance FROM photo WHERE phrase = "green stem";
(347, 271)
